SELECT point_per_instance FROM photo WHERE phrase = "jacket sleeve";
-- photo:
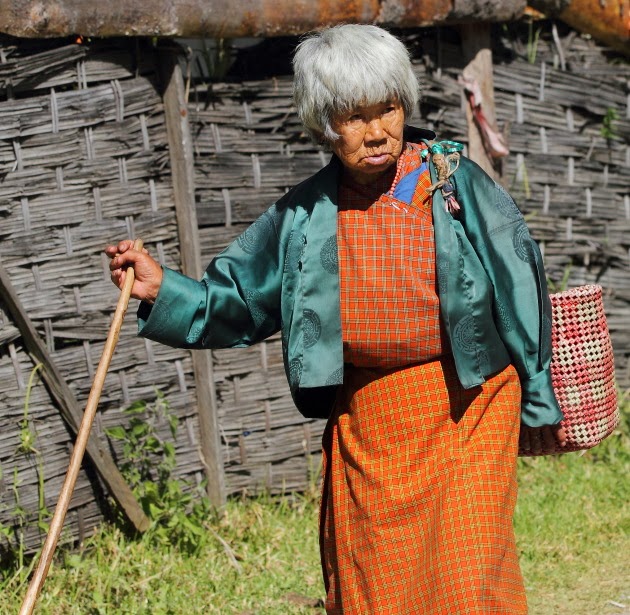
(237, 301)
(522, 309)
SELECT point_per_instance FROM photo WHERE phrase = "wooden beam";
(182, 172)
(477, 50)
(606, 20)
(234, 18)
(69, 406)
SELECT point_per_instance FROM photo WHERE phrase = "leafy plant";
(532, 42)
(607, 129)
(27, 435)
(14, 547)
(21, 517)
(556, 287)
(177, 508)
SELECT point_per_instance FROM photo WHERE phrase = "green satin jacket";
(281, 274)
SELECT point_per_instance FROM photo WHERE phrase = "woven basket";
(582, 367)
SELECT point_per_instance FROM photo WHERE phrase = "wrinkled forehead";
(359, 101)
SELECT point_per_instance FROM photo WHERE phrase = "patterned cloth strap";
(445, 156)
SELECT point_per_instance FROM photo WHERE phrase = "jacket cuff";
(538, 402)
(168, 320)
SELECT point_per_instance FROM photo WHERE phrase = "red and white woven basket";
(582, 367)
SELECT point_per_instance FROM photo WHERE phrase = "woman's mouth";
(377, 159)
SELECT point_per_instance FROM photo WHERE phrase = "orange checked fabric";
(419, 481)
(389, 302)
(419, 492)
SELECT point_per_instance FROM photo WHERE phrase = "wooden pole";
(477, 51)
(182, 166)
(56, 525)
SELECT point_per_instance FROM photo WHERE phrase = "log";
(233, 18)
(607, 21)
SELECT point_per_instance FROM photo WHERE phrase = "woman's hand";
(148, 273)
(542, 440)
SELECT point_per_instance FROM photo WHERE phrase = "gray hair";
(343, 67)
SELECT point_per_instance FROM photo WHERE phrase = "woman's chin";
(368, 174)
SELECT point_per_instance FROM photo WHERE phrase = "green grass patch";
(573, 529)
(260, 557)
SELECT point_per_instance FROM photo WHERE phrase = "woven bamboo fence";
(85, 159)
(248, 151)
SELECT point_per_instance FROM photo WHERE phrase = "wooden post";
(182, 172)
(477, 50)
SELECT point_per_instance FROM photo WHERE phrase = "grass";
(573, 528)
(261, 556)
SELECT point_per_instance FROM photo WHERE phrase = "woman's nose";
(374, 131)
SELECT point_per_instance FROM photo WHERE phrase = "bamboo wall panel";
(249, 150)
(83, 163)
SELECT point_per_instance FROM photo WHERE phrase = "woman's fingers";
(548, 439)
(123, 255)
(542, 440)
(124, 245)
(121, 247)
(559, 434)
(148, 273)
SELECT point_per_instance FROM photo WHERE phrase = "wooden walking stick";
(48, 550)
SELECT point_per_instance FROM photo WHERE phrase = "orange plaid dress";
(419, 474)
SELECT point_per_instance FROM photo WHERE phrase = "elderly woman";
(414, 316)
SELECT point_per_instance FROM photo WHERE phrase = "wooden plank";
(182, 164)
(477, 49)
(68, 405)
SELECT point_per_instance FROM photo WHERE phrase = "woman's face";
(370, 139)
